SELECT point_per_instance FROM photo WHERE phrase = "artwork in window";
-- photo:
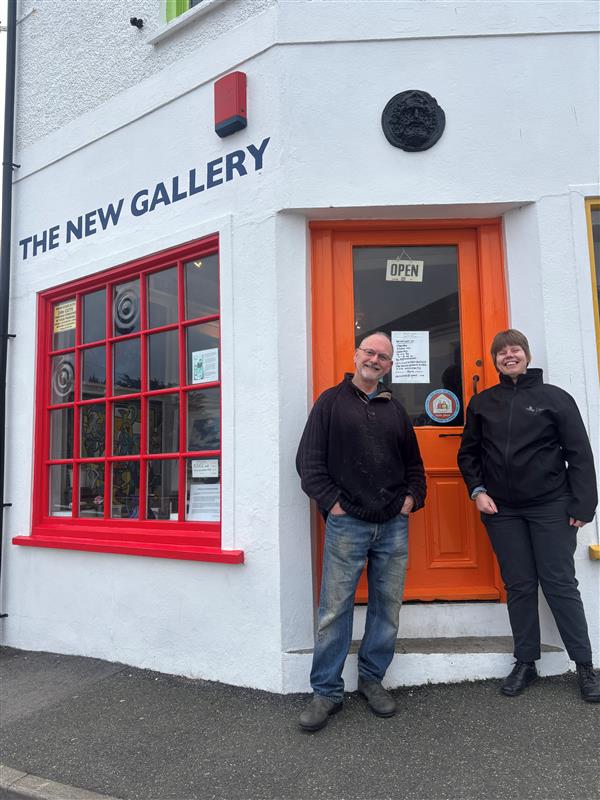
(126, 367)
(91, 490)
(204, 420)
(61, 433)
(126, 308)
(126, 428)
(162, 298)
(203, 352)
(93, 418)
(93, 373)
(163, 424)
(125, 489)
(202, 287)
(163, 492)
(163, 360)
(63, 379)
(61, 490)
(94, 316)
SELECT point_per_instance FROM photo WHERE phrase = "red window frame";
(182, 539)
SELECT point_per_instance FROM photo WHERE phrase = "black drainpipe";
(7, 169)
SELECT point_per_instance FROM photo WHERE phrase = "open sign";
(403, 270)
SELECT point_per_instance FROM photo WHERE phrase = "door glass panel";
(202, 287)
(94, 316)
(93, 373)
(162, 298)
(411, 293)
(61, 433)
(163, 424)
(126, 428)
(125, 490)
(63, 378)
(163, 360)
(92, 430)
(91, 490)
(126, 308)
(126, 367)
(163, 491)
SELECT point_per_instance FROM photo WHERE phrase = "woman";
(518, 436)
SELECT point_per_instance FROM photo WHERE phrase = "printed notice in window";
(411, 357)
(64, 316)
(205, 365)
(205, 502)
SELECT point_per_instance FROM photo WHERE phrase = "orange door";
(438, 290)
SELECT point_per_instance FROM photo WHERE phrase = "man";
(360, 461)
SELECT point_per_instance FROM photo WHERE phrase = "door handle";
(446, 435)
(475, 382)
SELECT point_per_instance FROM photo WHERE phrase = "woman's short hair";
(510, 337)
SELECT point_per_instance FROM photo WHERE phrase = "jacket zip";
(510, 415)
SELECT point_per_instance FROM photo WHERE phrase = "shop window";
(177, 7)
(128, 432)
(593, 220)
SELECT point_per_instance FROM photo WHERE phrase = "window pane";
(64, 325)
(595, 213)
(204, 420)
(163, 493)
(125, 490)
(94, 316)
(163, 360)
(126, 428)
(202, 287)
(203, 490)
(126, 367)
(126, 308)
(93, 373)
(63, 379)
(163, 424)
(92, 430)
(61, 487)
(162, 298)
(203, 353)
(91, 490)
(411, 293)
(61, 433)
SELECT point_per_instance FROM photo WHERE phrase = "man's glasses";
(383, 357)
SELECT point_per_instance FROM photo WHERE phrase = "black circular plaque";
(413, 120)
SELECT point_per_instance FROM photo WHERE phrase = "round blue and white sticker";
(442, 405)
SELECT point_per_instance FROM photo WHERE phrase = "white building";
(199, 556)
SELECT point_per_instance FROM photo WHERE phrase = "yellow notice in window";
(64, 316)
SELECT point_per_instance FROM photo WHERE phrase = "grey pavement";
(140, 735)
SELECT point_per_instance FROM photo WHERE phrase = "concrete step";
(419, 661)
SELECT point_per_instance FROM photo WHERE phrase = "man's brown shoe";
(380, 702)
(316, 715)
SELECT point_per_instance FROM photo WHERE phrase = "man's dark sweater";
(360, 452)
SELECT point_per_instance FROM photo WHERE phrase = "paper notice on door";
(205, 468)
(205, 365)
(411, 357)
(205, 502)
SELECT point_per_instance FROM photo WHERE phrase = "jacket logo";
(533, 410)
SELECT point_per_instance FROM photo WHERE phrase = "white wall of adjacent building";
(118, 112)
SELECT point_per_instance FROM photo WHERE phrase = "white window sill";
(185, 19)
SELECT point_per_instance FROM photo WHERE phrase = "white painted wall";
(521, 140)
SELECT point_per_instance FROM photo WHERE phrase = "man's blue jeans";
(349, 542)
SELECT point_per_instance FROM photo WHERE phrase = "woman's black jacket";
(516, 441)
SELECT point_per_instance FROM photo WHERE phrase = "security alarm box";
(230, 104)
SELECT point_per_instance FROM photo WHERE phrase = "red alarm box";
(230, 104)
